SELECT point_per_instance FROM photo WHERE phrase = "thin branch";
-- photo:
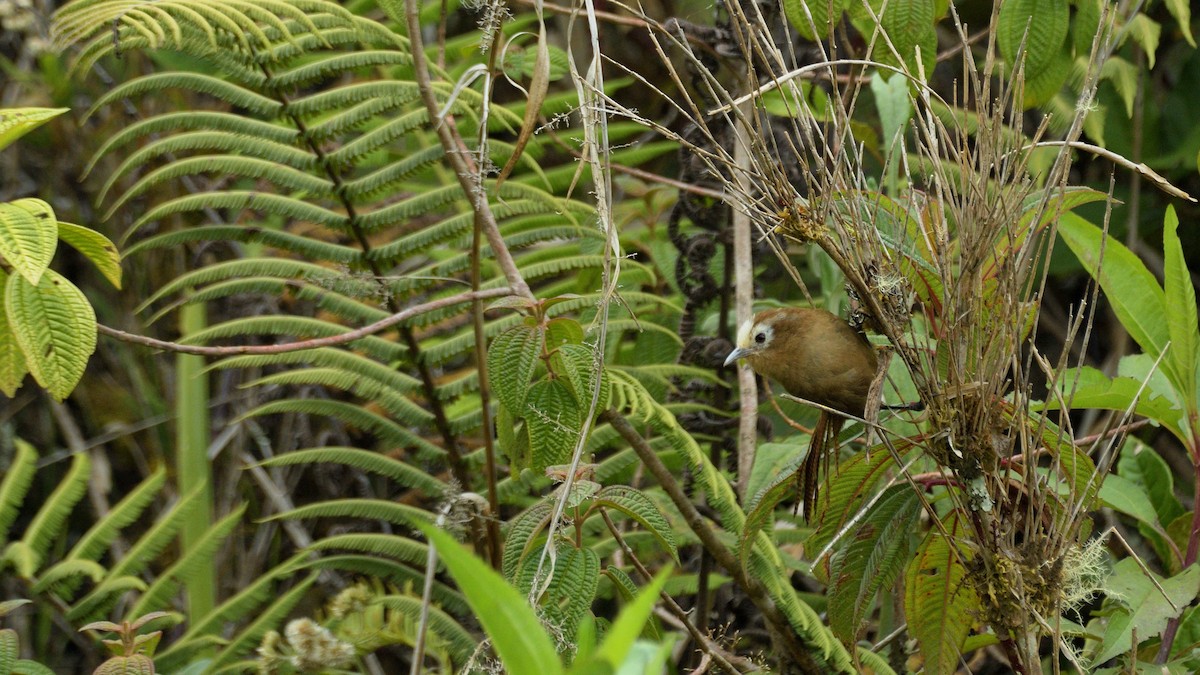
(462, 164)
(300, 345)
(781, 630)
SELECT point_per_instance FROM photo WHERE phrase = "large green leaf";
(815, 19)
(16, 122)
(871, 559)
(1145, 610)
(517, 635)
(28, 237)
(95, 247)
(12, 359)
(554, 420)
(1134, 293)
(56, 328)
(511, 361)
(638, 506)
(1180, 295)
(1047, 22)
(1093, 389)
(937, 604)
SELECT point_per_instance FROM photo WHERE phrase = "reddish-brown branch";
(299, 345)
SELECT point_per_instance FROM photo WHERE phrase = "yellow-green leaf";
(56, 328)
(28, 235)
(95, 247)
(553, 419)
(937, 604)
(16, 122)
(814, 19)
(1047, 22)
(12, 360)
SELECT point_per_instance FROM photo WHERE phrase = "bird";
(815, 356)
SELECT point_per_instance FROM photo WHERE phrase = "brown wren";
(817, 357)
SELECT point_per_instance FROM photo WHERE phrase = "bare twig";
(300, 345)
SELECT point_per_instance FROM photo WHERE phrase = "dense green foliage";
(428, 280)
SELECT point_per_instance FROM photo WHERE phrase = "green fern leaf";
(400, 548)
(56, 328)
(200, 554)
(386, 430)
(366, 509)
(64, 572)
(387, 570)
(363, 460)
(216, 130)
(200, 83)
(459, 641)
(18, 476)
(97, 539)
(270, 619)
(277, 205)
(47, 525)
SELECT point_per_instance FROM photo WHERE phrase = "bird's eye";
(760, 338)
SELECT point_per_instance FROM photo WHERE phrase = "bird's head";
(755, 337)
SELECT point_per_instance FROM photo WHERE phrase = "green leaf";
(579, 366)
(1182, 322)
(1123, 495)
(814, 19)
(95, 247)
(938, 605)
(1181, 10)
(521, 533)
(638, 506)
(553, 419)
(1143, 466)
(517, 635)
(12, 360)
(762, 506)
(16, 122)
(1144, 610)
(1094, 389)
(1146, 33)
(55, 327)
(511, 360)
(869, 561)
(28, 237)
(625, 630)
(571, 588)
(1047, 22)
(1134, 293)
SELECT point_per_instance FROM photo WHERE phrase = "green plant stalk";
(191, 456)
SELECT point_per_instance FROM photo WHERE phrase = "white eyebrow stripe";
(743, 336)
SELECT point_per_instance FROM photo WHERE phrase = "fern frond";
(364, 460)
(335, 65)
(280, 268)
(67, 571)
(94, 542)
(198, 554)
(355, 416)
(260, 147)
(199, 83)
(17, 479)
(286, 241)
(270, 619)
(395, 403)
(365, 509)
(353, 365)
(390, 545)
(282, 176)
(248, 200)
(233, 126)
(397, 573)
(457, 639)
(47, 524)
